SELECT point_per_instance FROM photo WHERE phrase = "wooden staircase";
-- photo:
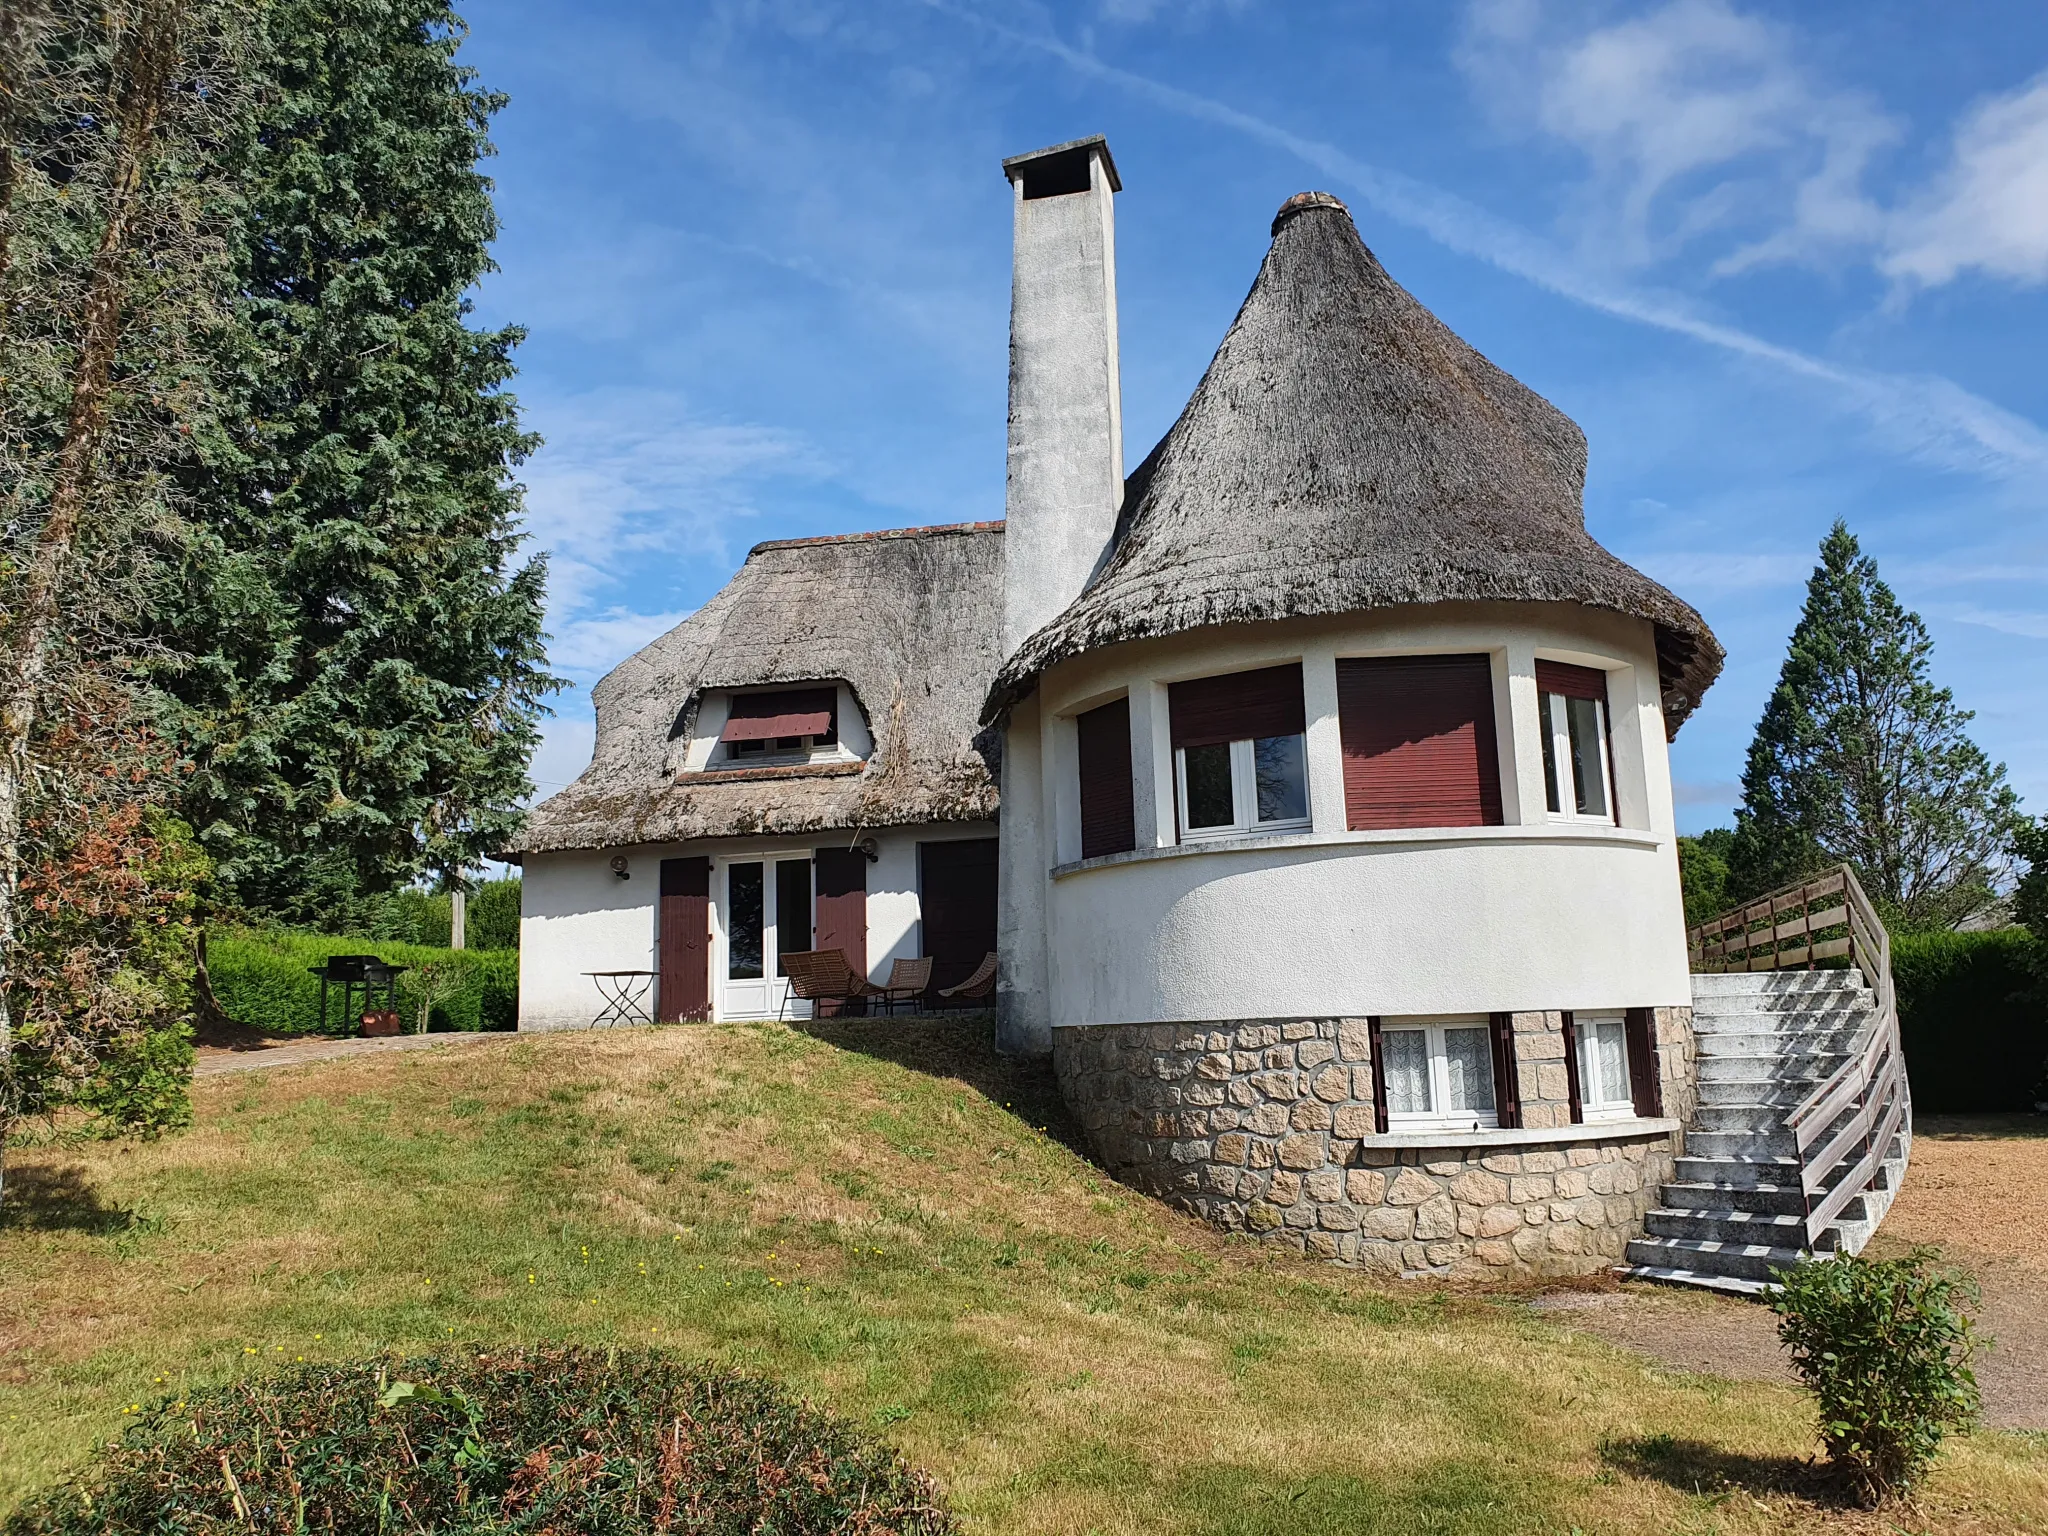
(1803, 1124)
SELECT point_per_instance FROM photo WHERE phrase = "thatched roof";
(1345, 451)
(910, 618)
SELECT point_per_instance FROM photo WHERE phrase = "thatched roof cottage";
(1309, 785)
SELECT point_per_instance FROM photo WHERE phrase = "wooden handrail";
(1838, 1158)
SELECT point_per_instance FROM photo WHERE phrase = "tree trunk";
(146, 63)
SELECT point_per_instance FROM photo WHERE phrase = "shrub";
(1972, 1018)
(494, 915)
(265, 980)
(1885, 1350)
(562, 1440)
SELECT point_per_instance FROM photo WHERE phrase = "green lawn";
(879, 1219)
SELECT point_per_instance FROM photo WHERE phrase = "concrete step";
(1773, 984)
(1740, 1143)
(1695, 1278)
(1752, 1118)
(1769, 1069)
(1771, 1229)
(1738, 1261)
(1742, 1040)
(1736, 1170)
(1784, 1096)
(1763, 1199)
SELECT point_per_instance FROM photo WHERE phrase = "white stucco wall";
(577, 916)
(1535, 914)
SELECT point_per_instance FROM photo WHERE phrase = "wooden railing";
(1844, 1128)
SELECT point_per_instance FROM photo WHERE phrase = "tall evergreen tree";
(1860, 758)
(365, 665)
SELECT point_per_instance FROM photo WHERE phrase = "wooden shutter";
(1573, 682)
(1507, 1098)
(1644, 1087)
(1571, 1069)
(683, 950)
(1379, 1078)
(842, 909)
(1238, 706)
(793, 712)
(1419, 744)
(1109, 820)
(957, 905)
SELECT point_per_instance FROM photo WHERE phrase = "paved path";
(213, 1060)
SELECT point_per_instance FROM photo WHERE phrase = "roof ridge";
(879, 533)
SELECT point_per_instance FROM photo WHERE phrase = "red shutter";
(1507, 1098)
(683, 953)
(793, 712)
(1109, 820)
(1571, 1069)
(842, 909)
(1643, 1085)
(957, 906)
(1573, 682)
(1379, 1080)
(1238, 706)
(1419, 745)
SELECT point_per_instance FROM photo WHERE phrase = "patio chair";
(906, 984)
(820, 976)
(978, 988)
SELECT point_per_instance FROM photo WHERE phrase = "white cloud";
(592, 645)
(1704, 571)
(564, 752)
(1989, 209)
(2030, 626)
(1697, 122)
(1922, 417)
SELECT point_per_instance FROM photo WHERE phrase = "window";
(1438, 1076)
(744, 918)
(1240, 753)
(1577, 766)
(1604, 1081)
(789, 723)
(1419, 743)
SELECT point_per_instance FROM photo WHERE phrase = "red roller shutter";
(1238, 706)
(1573, 682)
(957, 906)
(767, 716)
(842, 908)
(684, 952)
(1108, 810)
(1419, 745)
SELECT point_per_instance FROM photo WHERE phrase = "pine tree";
(363, 665)
(1860, 758)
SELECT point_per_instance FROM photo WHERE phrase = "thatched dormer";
(1347, 452)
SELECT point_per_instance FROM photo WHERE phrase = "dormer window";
(789, 724)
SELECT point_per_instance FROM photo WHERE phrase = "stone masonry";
(1266, 1126)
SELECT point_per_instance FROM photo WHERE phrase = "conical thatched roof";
(1345, 451)
(910, 618)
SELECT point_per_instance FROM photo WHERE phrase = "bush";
(494, 915)
(264, 980)
(1972, 1019)
(1885, 1350)
(560, 1440)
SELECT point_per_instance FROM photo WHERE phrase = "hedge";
(577, 1442)
(264, 980)
(1972, 1018)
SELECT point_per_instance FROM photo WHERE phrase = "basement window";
(1438, 1076)
(1604, 1081)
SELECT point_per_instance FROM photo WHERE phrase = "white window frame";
(1558, 733)
(1437, 1118)
(1244, 797)
(1596, 1097)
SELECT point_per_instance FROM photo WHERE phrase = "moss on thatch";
(1345, 452)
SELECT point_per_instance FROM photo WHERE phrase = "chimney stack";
(1066, 459)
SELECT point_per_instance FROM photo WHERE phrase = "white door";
(764, 908)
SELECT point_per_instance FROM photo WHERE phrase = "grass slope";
(876, 1216)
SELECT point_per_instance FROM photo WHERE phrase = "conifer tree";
(1860, 758)
(363, 663)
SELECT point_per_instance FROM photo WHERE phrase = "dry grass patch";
(886, 1216)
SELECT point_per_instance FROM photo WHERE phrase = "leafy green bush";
(494, 915)
(1972, 1019)
(562, 1440)
(265, 980)
(1885, 1350)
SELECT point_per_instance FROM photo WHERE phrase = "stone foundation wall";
(1266, 1126)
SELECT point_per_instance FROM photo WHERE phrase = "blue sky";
(1783, 264)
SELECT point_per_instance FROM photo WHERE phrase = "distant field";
(877, 1218)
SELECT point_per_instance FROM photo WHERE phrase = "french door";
(765, 911)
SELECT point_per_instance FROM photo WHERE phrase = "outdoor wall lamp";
(619, 867)
(868, 846)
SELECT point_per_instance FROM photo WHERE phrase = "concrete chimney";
(1066, 466)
